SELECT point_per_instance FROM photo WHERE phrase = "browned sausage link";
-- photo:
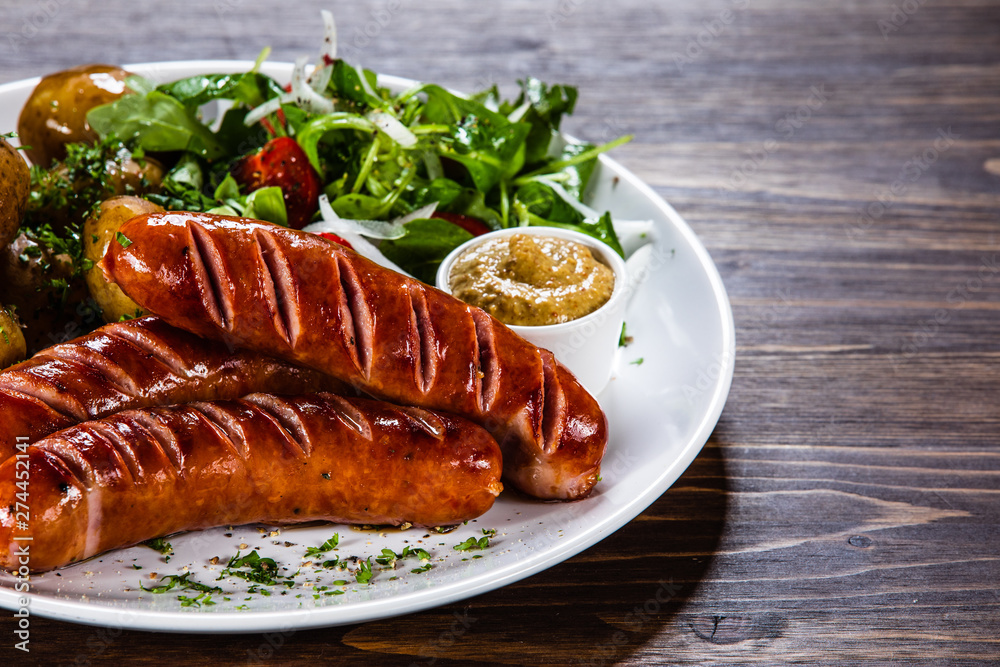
(143, 473)
(133, 364)
(299, 297)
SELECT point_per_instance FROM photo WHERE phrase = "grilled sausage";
(299, 297)
(144, 473)
(133, 364)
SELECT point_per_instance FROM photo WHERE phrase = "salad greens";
(380, 155)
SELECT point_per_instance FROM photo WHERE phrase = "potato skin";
(25, 266)
(56, 112)
(12, 346)
(98, 232)
(15, 188)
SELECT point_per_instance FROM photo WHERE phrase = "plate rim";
(245, 622)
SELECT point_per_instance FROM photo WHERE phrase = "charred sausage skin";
(133, 364)
(301, 298)
(144, 473)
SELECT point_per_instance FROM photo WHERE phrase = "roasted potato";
(25, 269)
(15, 187)
(56, 112)
(12, 345)
(65, 194)
(99, 231)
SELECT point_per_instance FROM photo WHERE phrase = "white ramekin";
(586, 346)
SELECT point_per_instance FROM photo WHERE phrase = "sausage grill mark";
(65, 455)
(160, 436)
(210, 270)
(154, 347)
(486, 359)
(279, 289)
(41, 388)
(115, 440)
(554, 406)
(96, 361)
(349, 415)
(356, 316)
(425, 346)
(285, 416)
(226, 425)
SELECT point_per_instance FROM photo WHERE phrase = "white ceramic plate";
(668, 390)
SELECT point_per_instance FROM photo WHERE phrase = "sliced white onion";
(518, 113)
(263, 110)
(393, 128)
(332, 223)
(433, 163)
(419, 214)
(305, 96)
(319, 78)
(329, 53)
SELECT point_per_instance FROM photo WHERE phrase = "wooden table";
(841, 162)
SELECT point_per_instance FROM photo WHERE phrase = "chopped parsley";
(329, 545)
(422, 568)
(181, 581)
(637, 362)
(161, 545)
(252, 567)
(123, 240)
(197, 601)
(364, 572)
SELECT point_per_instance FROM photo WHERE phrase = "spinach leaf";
(251, 88)
(155, 122)
(427, 241)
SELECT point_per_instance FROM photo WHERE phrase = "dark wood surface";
(847, 508)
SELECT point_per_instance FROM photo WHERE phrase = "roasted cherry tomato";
(336, 239)
(283, 163)
(474, 226)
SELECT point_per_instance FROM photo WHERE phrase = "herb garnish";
(329, 545)
(252, 567)
(364, 572)
(181, 581)
(473, 543)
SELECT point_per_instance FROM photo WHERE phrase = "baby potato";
(15, 188)
(12, 346)
(98, 232)
(67, 195)
(56, 112)
(25, 268)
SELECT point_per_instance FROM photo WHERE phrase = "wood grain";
(847, 508)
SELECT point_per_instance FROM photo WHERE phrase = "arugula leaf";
(485, 142)
(547, 106)
(312, 132)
